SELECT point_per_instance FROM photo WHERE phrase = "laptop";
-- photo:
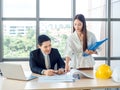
(15, 71)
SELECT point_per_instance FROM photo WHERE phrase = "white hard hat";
(116, 74)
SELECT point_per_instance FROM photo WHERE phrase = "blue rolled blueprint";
(95, 46)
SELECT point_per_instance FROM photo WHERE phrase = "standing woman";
(77, 43)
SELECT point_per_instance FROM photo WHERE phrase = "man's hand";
(60, 71)
(49, 72)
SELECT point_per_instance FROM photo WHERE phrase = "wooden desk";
(83, 83)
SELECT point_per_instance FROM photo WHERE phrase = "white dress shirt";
(47, 61)
(74, 50)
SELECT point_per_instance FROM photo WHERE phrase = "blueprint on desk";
(56, 78)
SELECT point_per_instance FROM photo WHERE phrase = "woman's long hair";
(84, 30)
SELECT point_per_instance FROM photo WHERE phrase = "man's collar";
(44, 53)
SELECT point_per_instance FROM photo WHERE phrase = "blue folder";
(95, 46)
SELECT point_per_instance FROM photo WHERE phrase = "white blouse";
(74, 50)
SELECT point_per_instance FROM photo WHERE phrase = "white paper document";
(71, 76)
(56, 78)
(77, 74)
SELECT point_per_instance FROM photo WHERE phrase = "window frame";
(108, 19)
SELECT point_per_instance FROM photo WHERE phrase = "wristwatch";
(42, 72)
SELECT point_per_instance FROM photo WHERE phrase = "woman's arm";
(67, 61)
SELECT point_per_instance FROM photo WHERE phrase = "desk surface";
(83, 83)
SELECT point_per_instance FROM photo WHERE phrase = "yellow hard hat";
(103, 72)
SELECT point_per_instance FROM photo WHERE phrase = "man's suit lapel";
(41, 58)
(51, 59)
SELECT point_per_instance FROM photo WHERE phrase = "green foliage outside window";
(19, 46)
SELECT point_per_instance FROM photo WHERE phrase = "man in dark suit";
(44, 59)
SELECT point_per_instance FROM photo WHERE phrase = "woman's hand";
(90, 52)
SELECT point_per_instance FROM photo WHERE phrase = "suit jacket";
(37, 61)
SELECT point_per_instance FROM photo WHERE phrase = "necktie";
(47, 61)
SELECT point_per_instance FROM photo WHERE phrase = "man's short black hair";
(43, 38)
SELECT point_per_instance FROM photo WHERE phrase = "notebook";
(15, 71)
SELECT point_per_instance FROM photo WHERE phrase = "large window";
(55, 9)
(58, 32)
(19, 8)
(18, 38)
(91, 8)
(115, 48)
(115, 6)
(21, 21)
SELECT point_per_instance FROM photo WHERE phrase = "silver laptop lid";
(12, 71)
